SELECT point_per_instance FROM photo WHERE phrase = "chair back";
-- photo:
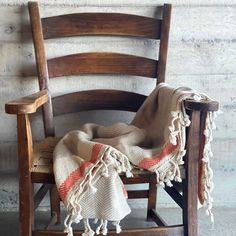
(94, 24)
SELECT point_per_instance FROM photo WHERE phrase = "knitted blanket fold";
(87, 162)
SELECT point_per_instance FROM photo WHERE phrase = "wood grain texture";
(102, 63)
(165, 28)
(204, 20)
(99, 99)
(98, 63)
(47, 178)
(100, 24)
(41, 64)
(135, 194)
(55, 204)
(43, 79)
(28, 104)
(157, 231)
(191, 58)
(25, 160)
(152, 196)
(36, 28)
(190, 183)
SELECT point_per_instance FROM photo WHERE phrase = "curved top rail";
(117, 24)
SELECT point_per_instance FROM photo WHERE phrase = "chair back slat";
(101, 24)
(102, 63)
(97, 100)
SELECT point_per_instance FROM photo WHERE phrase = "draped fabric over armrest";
(155, 141)
(202, 105)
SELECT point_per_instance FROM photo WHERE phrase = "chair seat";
(43, 155)
(42, 168)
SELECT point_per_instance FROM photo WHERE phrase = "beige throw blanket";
(87, 162)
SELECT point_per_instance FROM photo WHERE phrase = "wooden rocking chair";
(35, 163)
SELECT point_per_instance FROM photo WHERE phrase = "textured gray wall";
(202, 55)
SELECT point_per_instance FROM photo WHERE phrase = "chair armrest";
(201, 105)
(28, 104)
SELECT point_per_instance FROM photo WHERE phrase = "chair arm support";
(28, 104)
(202, 105)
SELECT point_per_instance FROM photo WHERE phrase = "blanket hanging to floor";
(87, 162)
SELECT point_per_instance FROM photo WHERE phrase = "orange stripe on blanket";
(71, 179)
(148, 162)
(95, 152)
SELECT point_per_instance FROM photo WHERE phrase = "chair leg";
(152, 196)
(26, 206)
(26, 190)
(190, 221)
(55, 204)
(190, 190)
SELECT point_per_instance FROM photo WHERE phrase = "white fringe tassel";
(207, 155)
(117, 225)
(169, 171)
(165, 175)
(87, 229)
(109, 157)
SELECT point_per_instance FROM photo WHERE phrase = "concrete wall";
(202, 55)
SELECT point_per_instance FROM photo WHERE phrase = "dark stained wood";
(175, 195)
(165, 28)
(133, 194)
(52, 221)
(40, 194)
(97, 100)
(139, 177)
(41, 63)
(201, 105)
(190, 191)
(42, 70)
(102, 63)
(25, 160)
(100, 24)
(157, 218)
(42, 178)
(86, 63)
(152, 198)
(55, 204)
(157, 231)
(28, 104)
(179, 185)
